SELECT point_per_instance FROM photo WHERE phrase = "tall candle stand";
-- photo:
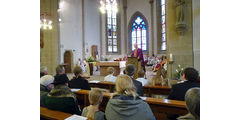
(171, 63)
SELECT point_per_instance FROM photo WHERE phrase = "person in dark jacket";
(125, 104)
(45, 87)
(78, 81)
(178, 91)
(130, 70)
(61, 97)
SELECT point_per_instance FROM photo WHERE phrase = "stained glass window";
(111, 27)
(139, 33)
(163, 23)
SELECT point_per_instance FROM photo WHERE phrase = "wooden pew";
(159, 107)
(46, 114)
(149, 90)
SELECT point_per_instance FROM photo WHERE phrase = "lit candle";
(171, 57)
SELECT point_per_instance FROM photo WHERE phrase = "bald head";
(135, 45)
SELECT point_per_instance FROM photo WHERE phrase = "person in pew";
(125, 104)
(78, 81)
(43, 71)
(61, 97)
(59, 70)
(130, 70)
(178, 91)
(141, 78)
(192, 99)
(45, 87)
(110, 76)
(95, 99)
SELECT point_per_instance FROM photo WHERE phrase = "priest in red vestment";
(137, 52)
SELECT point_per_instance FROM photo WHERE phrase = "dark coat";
(62, 99)
(138, 85)
(178, 91)
(43, 92)
(79, 83)
(64, 104)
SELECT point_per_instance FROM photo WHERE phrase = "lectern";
(136, 63)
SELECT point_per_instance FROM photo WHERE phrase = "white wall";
(71, 28)
(196, 33)
(91, 25)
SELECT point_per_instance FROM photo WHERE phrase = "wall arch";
(134, 16)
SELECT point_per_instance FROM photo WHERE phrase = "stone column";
(152, 27)
(83, 37)
(125, 26)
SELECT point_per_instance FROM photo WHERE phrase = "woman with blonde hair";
(125, 104)
(92, 112)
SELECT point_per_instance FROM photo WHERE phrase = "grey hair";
(59, 69)
(192, 99)
(43, 69)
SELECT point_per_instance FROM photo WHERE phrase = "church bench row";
(149, 90)
(159, 107)
(46, 114)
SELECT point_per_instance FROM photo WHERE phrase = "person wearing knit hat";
(130, 70)
(46, 83)
(62, 94)
(45, 87)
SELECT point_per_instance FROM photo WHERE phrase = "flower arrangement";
(177, 74)
(91, 59)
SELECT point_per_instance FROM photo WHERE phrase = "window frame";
(133, 18)
(117, 32)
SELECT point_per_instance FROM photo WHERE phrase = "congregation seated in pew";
(92, 111)
(192, 99)
(141, 78)
(61, 97)
(130, 70)
(125, 104)
(78, 81)
(178, 91)
(110, 77)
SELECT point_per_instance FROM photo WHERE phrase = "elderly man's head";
(130, 69)
(60, 69)
(192, 99)
(43, 70)
(135, 45)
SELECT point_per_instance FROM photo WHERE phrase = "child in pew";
(141, 78)
(110, 76)
(92, 112)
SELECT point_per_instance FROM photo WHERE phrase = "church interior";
(103, 37)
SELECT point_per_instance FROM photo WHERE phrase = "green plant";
(90, 59)
(178, 72)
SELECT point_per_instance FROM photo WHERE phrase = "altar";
(117, 65)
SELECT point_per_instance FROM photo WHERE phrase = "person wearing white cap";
(45, 87)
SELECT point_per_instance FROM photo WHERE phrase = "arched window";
(139, 33)
(163, 23)
(112, 38)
